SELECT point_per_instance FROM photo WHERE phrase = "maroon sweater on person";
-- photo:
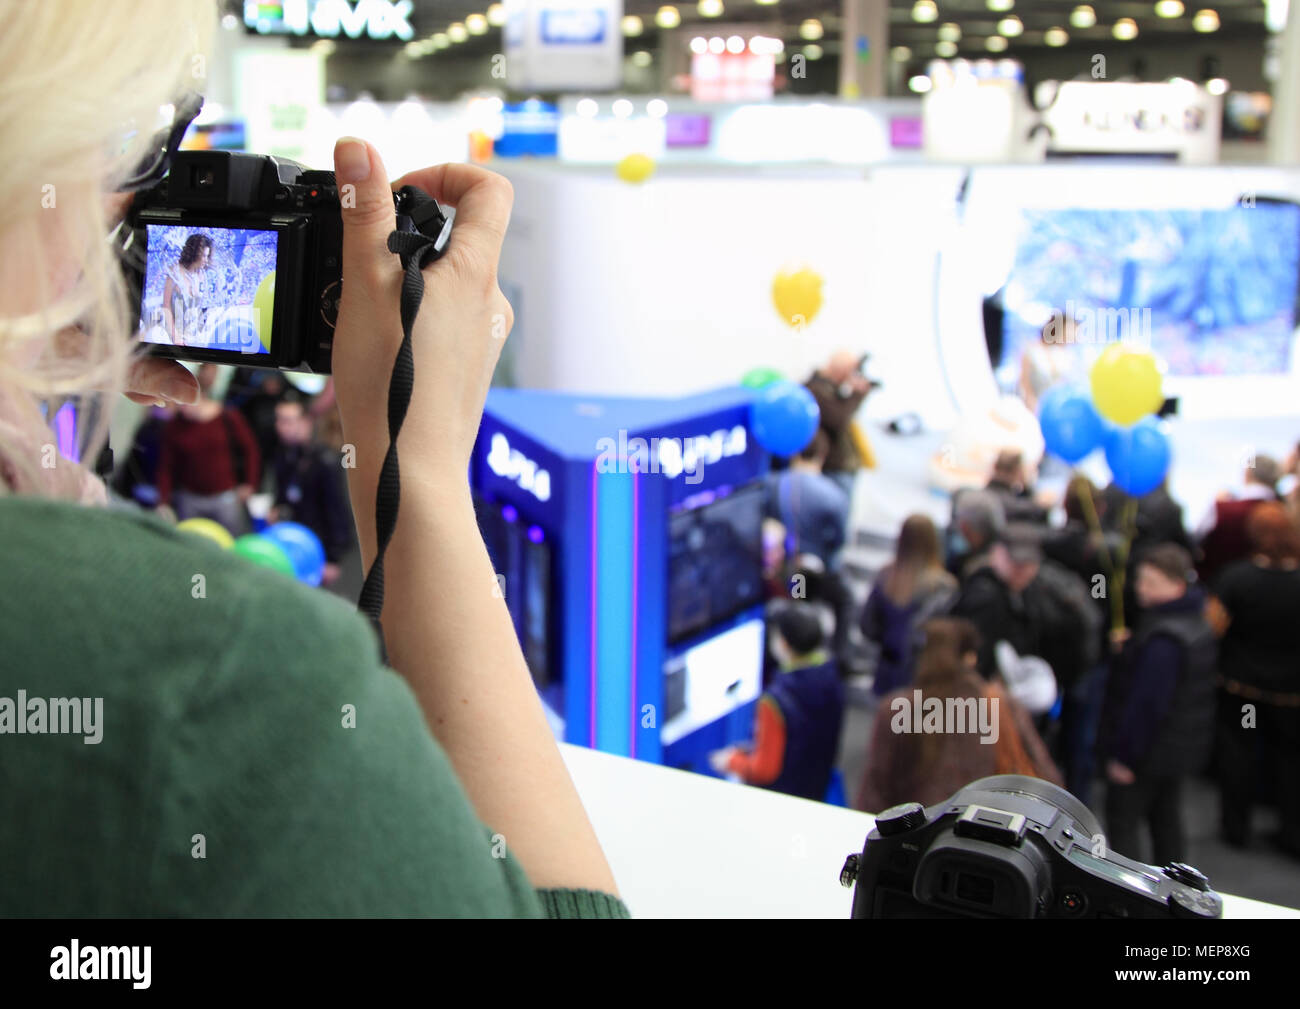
(200, 457)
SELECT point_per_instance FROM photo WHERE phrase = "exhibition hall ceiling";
(974, 20)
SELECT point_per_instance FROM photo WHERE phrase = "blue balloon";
(1071, 425)
(784, 418)
(1138, 456)
(303, 548)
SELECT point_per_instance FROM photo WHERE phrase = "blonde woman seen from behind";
(243, 751)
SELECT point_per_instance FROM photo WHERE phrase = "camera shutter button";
(1181, 872)
(900, 819)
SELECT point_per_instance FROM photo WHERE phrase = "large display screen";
(1211, 292)
(715, 559)
(210, 288)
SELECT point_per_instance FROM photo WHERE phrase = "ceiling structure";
(973, 19)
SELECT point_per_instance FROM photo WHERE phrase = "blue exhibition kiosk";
(627, 538)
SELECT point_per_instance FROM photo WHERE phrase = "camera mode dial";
(900, 819)
(1181, 872)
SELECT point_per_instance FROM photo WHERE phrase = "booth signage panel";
(708, 452)
(562, 45)
(517, 469)
(1118, 117)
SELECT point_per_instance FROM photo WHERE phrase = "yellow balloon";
(263, 305)
(208, 529)
(797, 296)
(1126, 384)
(635, 168)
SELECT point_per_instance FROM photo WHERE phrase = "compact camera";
(237, 259)
(1011, 846)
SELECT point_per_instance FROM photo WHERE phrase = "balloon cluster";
(1115, 414)
(784, 416)
(287, 547)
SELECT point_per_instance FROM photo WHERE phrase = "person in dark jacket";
(813, 508)
(977, 520)
(1010, 483)
(797, 727)
(1159, 721)
(840, 389)
(1088, 554)
(137, 478)
(907, 593)
(1254, 610)
(1159, 518)
(309, 483)
(993, 596)
(261, 396)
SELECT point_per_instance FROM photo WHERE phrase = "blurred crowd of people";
(1122, 648)
(1114, 645)
(256, 453)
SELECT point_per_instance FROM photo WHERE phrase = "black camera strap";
(417, 247)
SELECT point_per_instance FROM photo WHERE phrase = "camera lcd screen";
(209, 288)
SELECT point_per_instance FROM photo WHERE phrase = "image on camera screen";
(209, 288)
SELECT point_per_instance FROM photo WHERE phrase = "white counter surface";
(687, 846)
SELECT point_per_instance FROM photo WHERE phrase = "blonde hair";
(81, 86)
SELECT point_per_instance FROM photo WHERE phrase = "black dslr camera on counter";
(1011, 846)
(237, 259)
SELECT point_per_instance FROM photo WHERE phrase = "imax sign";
(375, 19)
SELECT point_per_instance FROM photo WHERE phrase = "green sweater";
(255, 758)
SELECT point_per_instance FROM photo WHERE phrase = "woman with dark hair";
(182, 314)
(1253, 610)
(909, 591)
(920, 752)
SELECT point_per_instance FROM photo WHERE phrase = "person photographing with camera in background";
(256, 716)
(840, 388)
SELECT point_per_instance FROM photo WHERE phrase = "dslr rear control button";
(1181, 872)
(329, 303)
(849, 874)
(900, 819)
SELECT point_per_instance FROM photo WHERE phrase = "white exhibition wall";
(665, 288)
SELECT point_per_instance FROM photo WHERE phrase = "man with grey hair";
(978, 518)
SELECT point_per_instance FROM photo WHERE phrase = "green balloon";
(761, 378)
(267, 553)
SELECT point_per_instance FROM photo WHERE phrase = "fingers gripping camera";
(237, 259)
